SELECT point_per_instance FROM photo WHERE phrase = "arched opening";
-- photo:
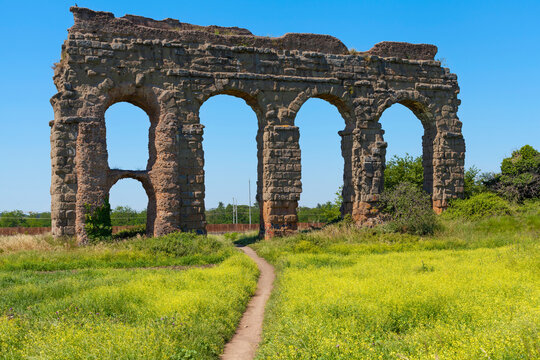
(322, 161)
(132, 204)
(409, 153)
(231, 166)
(127, 129)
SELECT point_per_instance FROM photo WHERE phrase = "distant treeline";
(223, 214)
(120, 216)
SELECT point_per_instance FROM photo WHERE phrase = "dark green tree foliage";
(408, 210)
(98, 224)
(404, 169)
(520, 175)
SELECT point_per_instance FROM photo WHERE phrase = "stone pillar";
(63, 177)
(448, 168)
(164, 174)
(92, 169)
(191, 177)
(281, 174)
(369, 152)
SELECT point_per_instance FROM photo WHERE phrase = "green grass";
(174, 249)
(472, 291)
(97, 302)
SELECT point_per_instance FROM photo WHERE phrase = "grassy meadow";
(176, 297)
(470, 291)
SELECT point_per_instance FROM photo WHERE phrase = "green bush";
(478, 206)
(520, 175)
(404, 169)
(97, 221)
(408, 210)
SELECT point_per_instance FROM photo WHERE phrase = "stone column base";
(280, 218)
(439, 206)
(365, 214)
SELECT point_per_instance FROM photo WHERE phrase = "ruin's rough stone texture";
(170, 69)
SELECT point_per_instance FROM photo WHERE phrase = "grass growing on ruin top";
(46, 254)
(471, 291)
(115, 301)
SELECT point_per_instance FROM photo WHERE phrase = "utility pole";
(236, 209)
(249, 200)
(233, 210)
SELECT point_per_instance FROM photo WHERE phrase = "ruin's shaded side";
(170, 69)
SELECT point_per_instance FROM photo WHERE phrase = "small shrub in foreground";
(408, 209)
(97, 221)
(478, 206)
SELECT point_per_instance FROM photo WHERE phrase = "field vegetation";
(463, 285)
(469, 291)
(175, 297)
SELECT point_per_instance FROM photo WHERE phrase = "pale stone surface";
(170, 69)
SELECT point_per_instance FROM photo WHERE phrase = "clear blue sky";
(493, 47)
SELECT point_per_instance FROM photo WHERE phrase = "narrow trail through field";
(245, 341)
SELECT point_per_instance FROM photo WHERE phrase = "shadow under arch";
(345, 109)
(142, 176)
(419, 106)
(143, 98)
(253, 103)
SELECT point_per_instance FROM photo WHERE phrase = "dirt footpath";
(245, 341)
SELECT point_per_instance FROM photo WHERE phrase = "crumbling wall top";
(99, 22)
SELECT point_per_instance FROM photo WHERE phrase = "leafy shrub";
(404, 169)
(97, 221)
(520, 175)
(408, 209)
(478, 206)
(131, 232)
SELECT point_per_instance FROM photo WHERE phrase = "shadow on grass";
(246, 239)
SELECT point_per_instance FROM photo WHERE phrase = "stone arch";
(142, 176)
(252, 100)
(420, 105)
(342, 101)
(141, 97)
(423, 108)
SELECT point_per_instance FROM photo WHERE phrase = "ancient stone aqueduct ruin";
(169, 69)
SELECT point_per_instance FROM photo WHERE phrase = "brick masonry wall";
(170, 69)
